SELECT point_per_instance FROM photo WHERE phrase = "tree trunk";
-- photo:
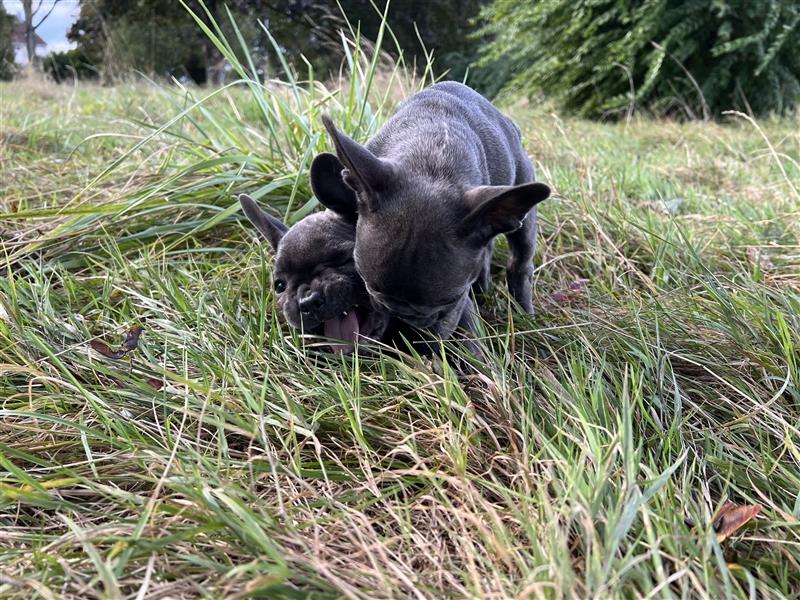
(214, 61)
(30, 40)
(215, 65)
(29, 13)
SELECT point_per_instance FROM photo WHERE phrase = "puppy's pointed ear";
(365, 172)
(270, 227)
(500, 209)
(329, 187)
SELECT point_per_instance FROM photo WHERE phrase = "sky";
(54, 29)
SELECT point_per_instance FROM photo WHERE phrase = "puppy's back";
(453, 121)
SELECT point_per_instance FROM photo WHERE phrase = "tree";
(7, 23)
(442, 27)
(160, 37)
(697, 58)
(32, 20)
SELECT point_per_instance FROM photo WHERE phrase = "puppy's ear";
(270, 227)
(365, 172)
(500, 209)
(329, 187)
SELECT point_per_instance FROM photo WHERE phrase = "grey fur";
(433, 188)
(314, 260)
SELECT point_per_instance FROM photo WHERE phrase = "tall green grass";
(227, 457)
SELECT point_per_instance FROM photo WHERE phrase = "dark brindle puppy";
(432, 189)
(315, 278)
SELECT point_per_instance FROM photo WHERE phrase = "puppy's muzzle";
(310, 303)
(422, 322)
(419, 316)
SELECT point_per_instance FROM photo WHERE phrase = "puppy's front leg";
(519, 272)
(466, 324)
(466, 321)
(460, 321)
(484, 280)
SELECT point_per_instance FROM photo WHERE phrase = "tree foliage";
(160, 37)
(7, 23)
(442, 27)
(603, 57)
(157, 37)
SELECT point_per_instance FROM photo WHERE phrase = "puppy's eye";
(280, 286)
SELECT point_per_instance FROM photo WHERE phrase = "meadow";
(588, 456)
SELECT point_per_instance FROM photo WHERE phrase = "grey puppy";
(315, 278)
(433, 188)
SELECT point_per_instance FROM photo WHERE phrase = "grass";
(225, 457)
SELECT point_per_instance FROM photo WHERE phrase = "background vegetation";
(601, 59)
(696, 58)
(117, 36)
(6, 47)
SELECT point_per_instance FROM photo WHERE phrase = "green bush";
(696, 57)
(62, 66)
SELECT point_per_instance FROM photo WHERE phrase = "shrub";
(61, 66)
(696, 57)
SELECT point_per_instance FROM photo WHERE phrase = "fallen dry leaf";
(732, 517)
(130, 343)
(667, 207)
(760, 258)
(573, 292)
(154, 383)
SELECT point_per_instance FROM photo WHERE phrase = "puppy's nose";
(310, 302)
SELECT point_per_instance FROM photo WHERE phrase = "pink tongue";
(343, 328)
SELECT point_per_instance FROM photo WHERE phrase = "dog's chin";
(429, 319)
(421, 322)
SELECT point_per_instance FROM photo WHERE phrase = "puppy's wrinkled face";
(315, 277)
(413, 262)
(315, 280)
